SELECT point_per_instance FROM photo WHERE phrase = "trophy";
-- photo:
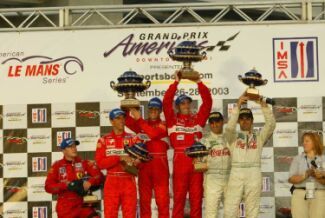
(89, 199)
(129, 83)
(187, 52)
(252, 79)
(137, 151)
(198, 152)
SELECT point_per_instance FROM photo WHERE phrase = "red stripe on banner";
(302, 59)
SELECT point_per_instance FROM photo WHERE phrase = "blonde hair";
(315, 138)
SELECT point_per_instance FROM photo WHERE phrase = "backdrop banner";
(55, 85)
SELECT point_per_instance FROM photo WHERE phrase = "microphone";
(313, 163)
(267, 100)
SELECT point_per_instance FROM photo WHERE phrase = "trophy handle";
(112, 84)
(204, 55)
(240, 77)
(170, 53)
(148, 84)
(265, 81)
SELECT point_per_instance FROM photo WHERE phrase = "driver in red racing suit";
(67, 170)
(120, 186)
(153, 175)
(183, 128)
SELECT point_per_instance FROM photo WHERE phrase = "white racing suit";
(216, 178)
(245, 179)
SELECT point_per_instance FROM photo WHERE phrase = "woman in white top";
(308, 199)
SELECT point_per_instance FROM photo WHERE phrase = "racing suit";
(216, 178)
(153, 175)
(182, 130)
(120, 187)
(245, 179)
(62, 172)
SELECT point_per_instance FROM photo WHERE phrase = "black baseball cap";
(215, 117)
(246, 112)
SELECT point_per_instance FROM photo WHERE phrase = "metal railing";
(155, 15)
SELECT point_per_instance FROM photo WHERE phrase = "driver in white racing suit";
(245, 179)
(216, 177)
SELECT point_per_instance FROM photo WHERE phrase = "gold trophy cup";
(89, 199)
(137, 152)
(129, 83)
(187, 52)
(198, 152)
(252, 79)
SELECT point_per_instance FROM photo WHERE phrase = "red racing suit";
(182, 130)
(120, 187)
(153, 175)
(62, 172)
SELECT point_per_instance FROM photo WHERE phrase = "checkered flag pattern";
(31, 134)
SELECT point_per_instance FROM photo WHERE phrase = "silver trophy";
(254, 79)
(198, 152)
(129, 83)
(188, 52)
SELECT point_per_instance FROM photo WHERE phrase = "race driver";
(153, 175)
(217, 175)
(120, 186)
(63, 177)
(183, 128)
(245, 179)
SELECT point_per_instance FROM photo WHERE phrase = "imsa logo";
(39, 212)
(39, 115)
(39, 164)
(61, 135)
(295, 59)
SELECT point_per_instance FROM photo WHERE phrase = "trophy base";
(253, 94)
(130, 103)
(90, 199)
(200, 167)
(189, 73)
(130, 169)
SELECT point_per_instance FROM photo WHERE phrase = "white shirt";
(301, 163)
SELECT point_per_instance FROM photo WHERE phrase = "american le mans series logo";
(295, 59)
(39, 115)
(50, 70)
(39, 164)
